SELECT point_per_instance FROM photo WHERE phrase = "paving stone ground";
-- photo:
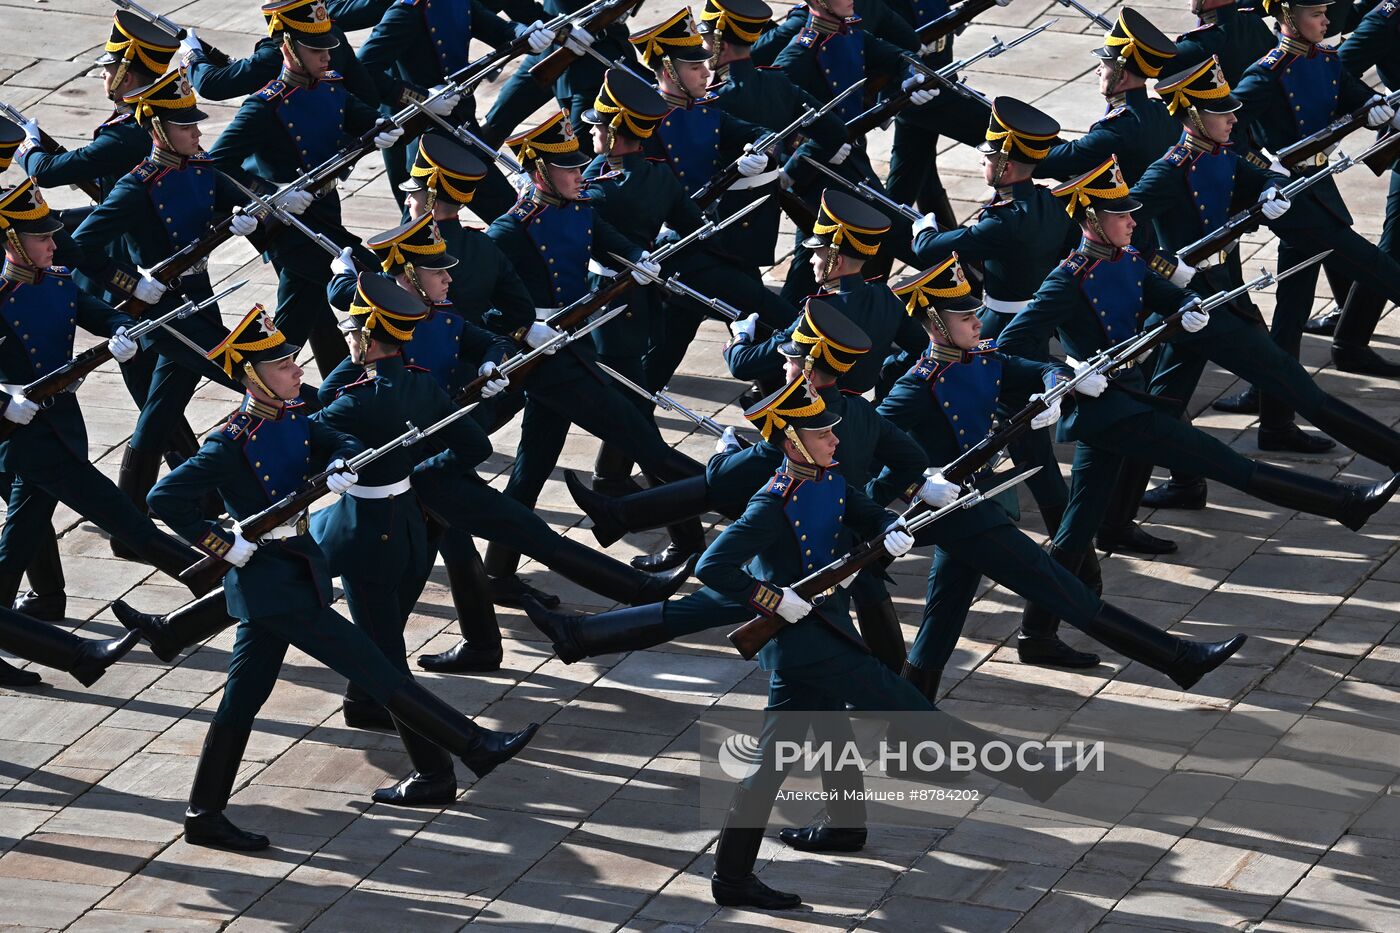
(1266, 800)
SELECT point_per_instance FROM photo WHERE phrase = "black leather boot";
(1185, 662)
(366, 714)
(170, 634)
(135, 478)
(506, 586)
(480, 749)
(1242, 403)
(577, 637)
(432, 783)
(612, 470)
(1337, 419)
(614, 579)
(479, 651)
(45, 599)
(1132, 539)
(46, 607)
(657, 507)
(926, 680)
(687, 541)
(87, 659)
(821, 836)
(1324, 325)
(205, 823)
(1290, 437)
(734, 884)
(1119, 532)
(11, 676)
(170, 556)
(1038, 642)
(1350, 505)
(879, 626)
(1363, 360)
(1188, 495)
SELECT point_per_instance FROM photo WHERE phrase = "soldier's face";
(434, 283)
(1117, 228)
(821, 445)
(282, 377)
(1309, 24)
(816, 379)
(1219, 126)
(568, 182)
(964, 329)
(818, 264)
(39, 249)
(315, 62)
(184, 140)
(695, 77)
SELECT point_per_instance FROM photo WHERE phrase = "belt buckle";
(303, 524)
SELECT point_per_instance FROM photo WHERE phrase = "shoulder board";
(332, 75)
(524, 209)
(271, 90)
(807, 38)
(1075, 263)
(1327, 50)
(116, 119)
(615, 173)
(147, 169)
(1389, 8)
(1132, 251)
(238, 423)
(709, 98)
(364, 380)
(1273, 59)
(1113, 114)
(62, 272)
(782, 485)
(1177, 155)
(1000, 203)
(1201, 28)
(986, 346)
(926, 368)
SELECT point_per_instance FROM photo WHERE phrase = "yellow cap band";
(724, 21)
(843, 233)
(232, 351)
(1128, 49)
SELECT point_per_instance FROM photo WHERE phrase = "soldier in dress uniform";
(136, 54)
(293, 124)
(416, 48)
(824, 347)
(1236, 35)
(168, 201)
(1017, 238)
(279, 589)
(1103, 293)
(244, 76)
(549, 237)
(947, 402)
(847, 235)
(47, 456)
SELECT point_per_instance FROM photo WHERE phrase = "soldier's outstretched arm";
(721, 567)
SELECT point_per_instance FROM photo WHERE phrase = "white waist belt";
(597, 268)
(1004, 307)
(544, 314)
(361, 491)
(754, 181)
(291, 529)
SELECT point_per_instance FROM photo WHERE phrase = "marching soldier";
(245, 76)
(847, 235)
(168, 201)
(1098, 296)
(294, 124)
(136, 54)
(1237, 37)
(279, 589)
(47, 456)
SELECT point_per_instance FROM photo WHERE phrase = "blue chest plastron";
(314, 117)
(563, 236)
(449, 24)
(1311, 86)
(965, 392)
(436, 342)
(814, 510)
(842, 61)
(690, 139)
(184, 201)
(43, 318)
(1114, 292)
(279, 452)
(1211, 180)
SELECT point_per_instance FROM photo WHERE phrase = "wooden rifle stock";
(1383, 158)
(1222, 238)
(1324, 138)
(548, 69)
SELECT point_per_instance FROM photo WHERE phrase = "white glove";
(296, 202)
(898, 540)
(1194, 320)
(841, 155)
(1183, 273)
(343, 264)
(31, 130)
(1093, 386)
(242, 224)
(387, 138)
(1275, 204)
(540, 334)
(936, 490)
(745, 328)
(538, 37)
(339, 482)
(793, 608)
(190, 43)
(728, 442)
(580, 40)
(1047, 417)
(1380, 112)
(752, 163)
(444, 105)
(923, 95)
(926, 222)
(123, 347)
(496, 381)
(647, 271)
(242, 550)
(148, 290)
(20, 410)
